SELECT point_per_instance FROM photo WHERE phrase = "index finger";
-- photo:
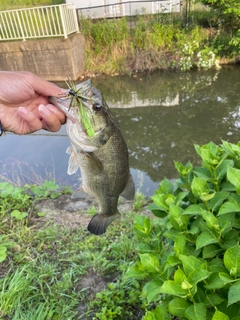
(44, 87)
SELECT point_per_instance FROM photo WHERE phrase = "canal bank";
(53, 59)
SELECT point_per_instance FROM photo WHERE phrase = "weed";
(41, 269)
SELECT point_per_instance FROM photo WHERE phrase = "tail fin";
(99, 223)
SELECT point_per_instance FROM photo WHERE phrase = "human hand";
(24, 104)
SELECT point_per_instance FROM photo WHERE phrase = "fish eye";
(96, 107)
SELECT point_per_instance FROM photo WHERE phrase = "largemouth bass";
(102, 158)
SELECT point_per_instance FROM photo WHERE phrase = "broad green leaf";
(221, 169)
(232, 260)
(233, 176)
(150, 262)
(199, 187)
(173, 288)
(216, 265)
(165, 187)
(205, 238)
(194, 210)
(51, 184)
(196, 311)
(151, 290)
(212, 299)
(3, 253)
(55, 195)
(149, 315)
(227, 187)
(210, 251)
(214, 282)
(142, 226)
(172, 261)
(172, 234)
(161, 312)
(179, 276)
(177, 306)
(207, 197)
(163, 201)
(183, 170)
(230, 148)
(156, 211)
(180, 244)
(228, 207)
(217, 200)
(211, 220)
(133, 272)
(234, 293)
(218, 315)
(190, 263)
(226, 222)
(234, 198)
(225, 277)
(176, 217)
(180, 196)
(18, 214)
(202, 173)
(198, 275)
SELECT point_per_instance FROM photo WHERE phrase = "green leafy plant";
(189, 258)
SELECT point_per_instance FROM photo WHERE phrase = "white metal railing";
(38, 22)
(120, 8)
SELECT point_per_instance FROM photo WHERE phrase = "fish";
(103, 158)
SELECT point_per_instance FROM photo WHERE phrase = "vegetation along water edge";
(203, 39)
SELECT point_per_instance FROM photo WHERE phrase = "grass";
(153, 42)
(18, 4)
(45, 269)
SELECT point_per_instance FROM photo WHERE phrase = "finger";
(32, 123)
(61, 116)
(50, 121)
(44, 87)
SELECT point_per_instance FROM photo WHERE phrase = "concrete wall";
(54, 59)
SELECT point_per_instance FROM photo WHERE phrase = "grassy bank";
(151, 42)
(52, 271)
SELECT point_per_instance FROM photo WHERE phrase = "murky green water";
(162, 116)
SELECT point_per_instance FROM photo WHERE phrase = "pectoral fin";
(94, 163)
(72, 162)
(129, 191)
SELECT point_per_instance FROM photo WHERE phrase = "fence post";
(20, 26)
(63, 21)
(75, 18)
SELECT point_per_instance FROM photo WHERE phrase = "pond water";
(162, 115)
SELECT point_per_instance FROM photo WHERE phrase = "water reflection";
(162, 115)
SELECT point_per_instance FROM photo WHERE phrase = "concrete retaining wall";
(53, 59)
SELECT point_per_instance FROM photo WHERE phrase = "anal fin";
(129, 191)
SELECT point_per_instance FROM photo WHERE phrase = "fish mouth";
(64, 104)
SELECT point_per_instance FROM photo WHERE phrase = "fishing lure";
(79, 102)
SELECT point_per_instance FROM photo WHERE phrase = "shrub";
(189, 258)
